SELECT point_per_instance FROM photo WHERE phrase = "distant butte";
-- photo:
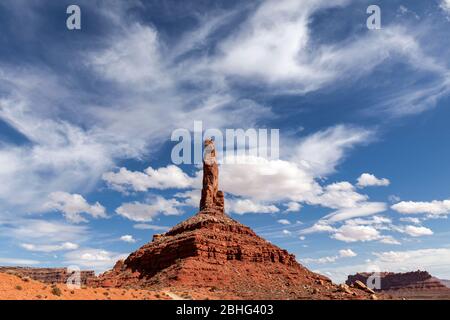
(413, 285)
(211, 252)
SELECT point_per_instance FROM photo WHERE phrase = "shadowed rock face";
(211, 250)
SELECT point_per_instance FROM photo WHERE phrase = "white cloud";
(322, 260)
(61, 157)
(278, 38)
(42, 232)
(267, 180)
(146, 226)
(286, 232)
(127, 238)
(358, 229)
(162, 178)
(367, 180)
(375, 220)
(411, 220)
(133, 59)
(73, 205)
(191, 197)
(293, 180)
(320, 226)
(293, 206)
(69, 150)
(366, 230)
(360, 210)
(18, 262)
(49, 247)
(124, 179)
(284, 221)
(445, 5)
(242, 206)
(145, 212)
(349, 233)
(394, 198)
(346, 253)
(96, 259)
(434, 208)
(389, 240)
(415, 231)
(321, 152)
(339, 195)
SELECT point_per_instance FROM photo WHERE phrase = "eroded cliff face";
(416, 280)
(212, 199)
(48, 275)
(213, 251)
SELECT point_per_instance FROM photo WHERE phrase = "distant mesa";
(415, 284)
(48, 275)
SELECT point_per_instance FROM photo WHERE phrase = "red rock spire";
(212, 200)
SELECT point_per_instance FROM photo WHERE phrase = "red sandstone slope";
(210, 250)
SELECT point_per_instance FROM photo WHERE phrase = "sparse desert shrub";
(39, 296)
(56, 291)
(106, 293)
(157, 296)
(18, 287)
(26, 279)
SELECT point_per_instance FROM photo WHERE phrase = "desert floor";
(16, 288)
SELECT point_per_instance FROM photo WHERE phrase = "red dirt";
(15, 288)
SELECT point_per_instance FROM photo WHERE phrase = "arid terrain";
(13, 287)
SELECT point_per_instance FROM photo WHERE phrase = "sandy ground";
(15, 288)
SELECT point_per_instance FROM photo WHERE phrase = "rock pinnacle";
(212, 201)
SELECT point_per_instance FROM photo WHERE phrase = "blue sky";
(86, 117)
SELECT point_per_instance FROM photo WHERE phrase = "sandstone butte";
(211, 252)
